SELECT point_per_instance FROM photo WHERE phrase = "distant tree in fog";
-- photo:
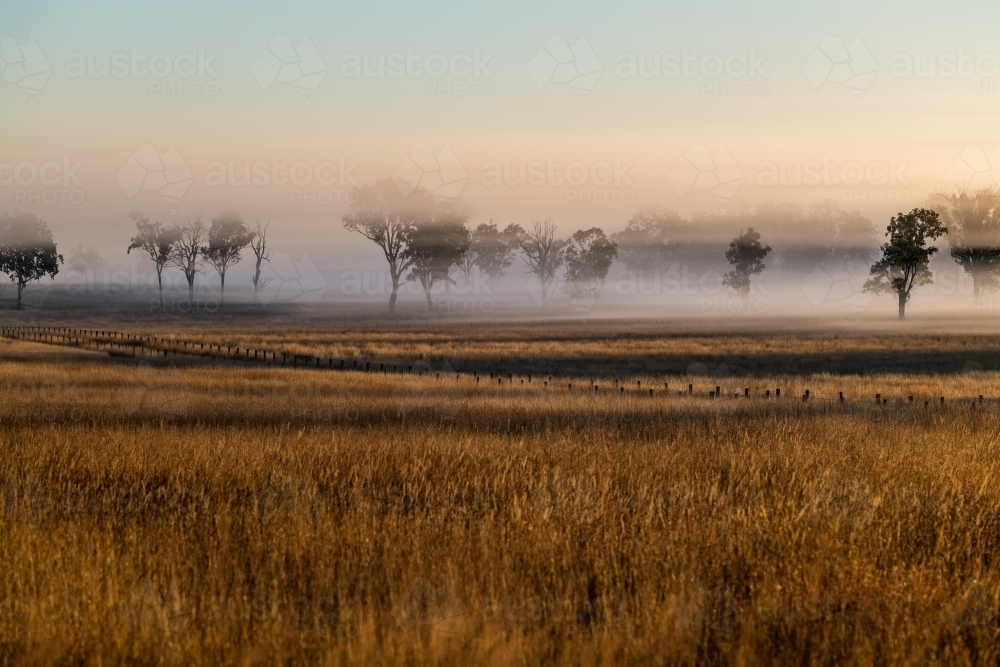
(905, 257)
(650, 240)
(974, 235)
(186, 251)
(491, 250)
(855, 238)
(543, 254)
(227, 237)
(84, 259)
(262, 253)
(382, 215)
(433, 247)
(588, 257)
(157, 241)
(27, 251)
(746, 255)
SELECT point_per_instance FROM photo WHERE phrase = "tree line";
(423, 241)
(190, 244)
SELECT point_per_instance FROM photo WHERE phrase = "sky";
(579, 111)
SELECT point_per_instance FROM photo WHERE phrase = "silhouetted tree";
(433, 247)
(491, 250)
(262, 253)
(186, 252)
(27, 251)
(588, 257)
(905, 257)
(382, 215)
(227, 237)
(157, 241)
(650, 240)
(746, 255)
(974, 235)
(543, 254)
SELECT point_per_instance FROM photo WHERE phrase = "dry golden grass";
(192, 513)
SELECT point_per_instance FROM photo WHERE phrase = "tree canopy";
(27, 250)
(746, 254)
(905, 256)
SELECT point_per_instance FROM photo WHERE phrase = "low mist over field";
(810, 128)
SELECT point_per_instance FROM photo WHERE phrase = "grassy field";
(184, 512)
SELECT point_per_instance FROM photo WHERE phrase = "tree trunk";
(256, 282)
(902, 306)
(20, 286)
(977, 290)
(191, 290)
(159, 280)
(392, 298)
(222, 291)
(427, 295)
